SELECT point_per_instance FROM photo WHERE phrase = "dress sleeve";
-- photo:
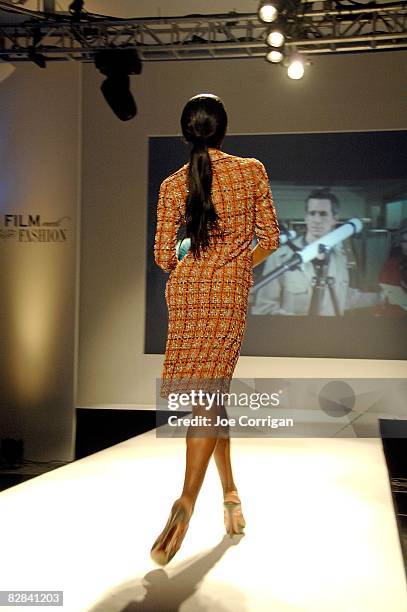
(266, 224)
(168, 222)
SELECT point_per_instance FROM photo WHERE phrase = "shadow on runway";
(160, 591)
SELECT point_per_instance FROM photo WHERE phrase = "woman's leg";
(222, 456)
(200, 444)
(233, 515)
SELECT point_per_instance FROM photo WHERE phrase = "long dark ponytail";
(204, 123)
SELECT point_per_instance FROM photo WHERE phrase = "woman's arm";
(266, 225)
(168, 222)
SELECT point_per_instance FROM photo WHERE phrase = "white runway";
(321, 533)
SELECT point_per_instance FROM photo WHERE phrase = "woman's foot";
(170, 539)
(233, 515)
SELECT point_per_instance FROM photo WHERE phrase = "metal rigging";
(323, 27)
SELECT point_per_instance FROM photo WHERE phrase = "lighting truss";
(323, 27)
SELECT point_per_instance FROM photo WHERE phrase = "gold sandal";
(170, 539)
(233, 516)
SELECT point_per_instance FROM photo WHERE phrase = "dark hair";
(324, 194)
(203, 123)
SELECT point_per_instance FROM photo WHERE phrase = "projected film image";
(340, 253)
(337, 284)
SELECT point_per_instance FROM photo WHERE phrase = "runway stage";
(321, 533)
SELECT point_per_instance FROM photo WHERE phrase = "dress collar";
(216, 153)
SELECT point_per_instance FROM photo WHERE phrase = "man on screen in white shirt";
(291, 293)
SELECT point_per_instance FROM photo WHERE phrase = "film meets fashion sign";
(31, 228)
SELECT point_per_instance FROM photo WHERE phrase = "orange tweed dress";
(207, 297)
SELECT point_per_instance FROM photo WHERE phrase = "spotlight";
(275, 38)
(117, 64)
(116, 90)
(295, 68)
(76, 6)
(268, 11)
(118, 61)
(274, 56)
(76, 10)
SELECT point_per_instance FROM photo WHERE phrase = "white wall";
(39, 175)
(345, 92)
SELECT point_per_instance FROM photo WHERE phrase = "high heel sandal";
(165, 546)
(233, 516)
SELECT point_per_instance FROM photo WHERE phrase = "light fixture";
(268, 11)
(275, 56)
(76, 6)
(275, 38)
(76, 10)
(117, 64)
(295, 68)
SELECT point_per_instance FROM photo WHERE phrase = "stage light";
(76, 6)
(295, 68)
(116, 90)
(275, 38)
(117, 61)
(268, 11)
(117, 64)
(274, 56)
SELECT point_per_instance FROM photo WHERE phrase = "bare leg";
(222, 457)
(200, 444)
(233, 515)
